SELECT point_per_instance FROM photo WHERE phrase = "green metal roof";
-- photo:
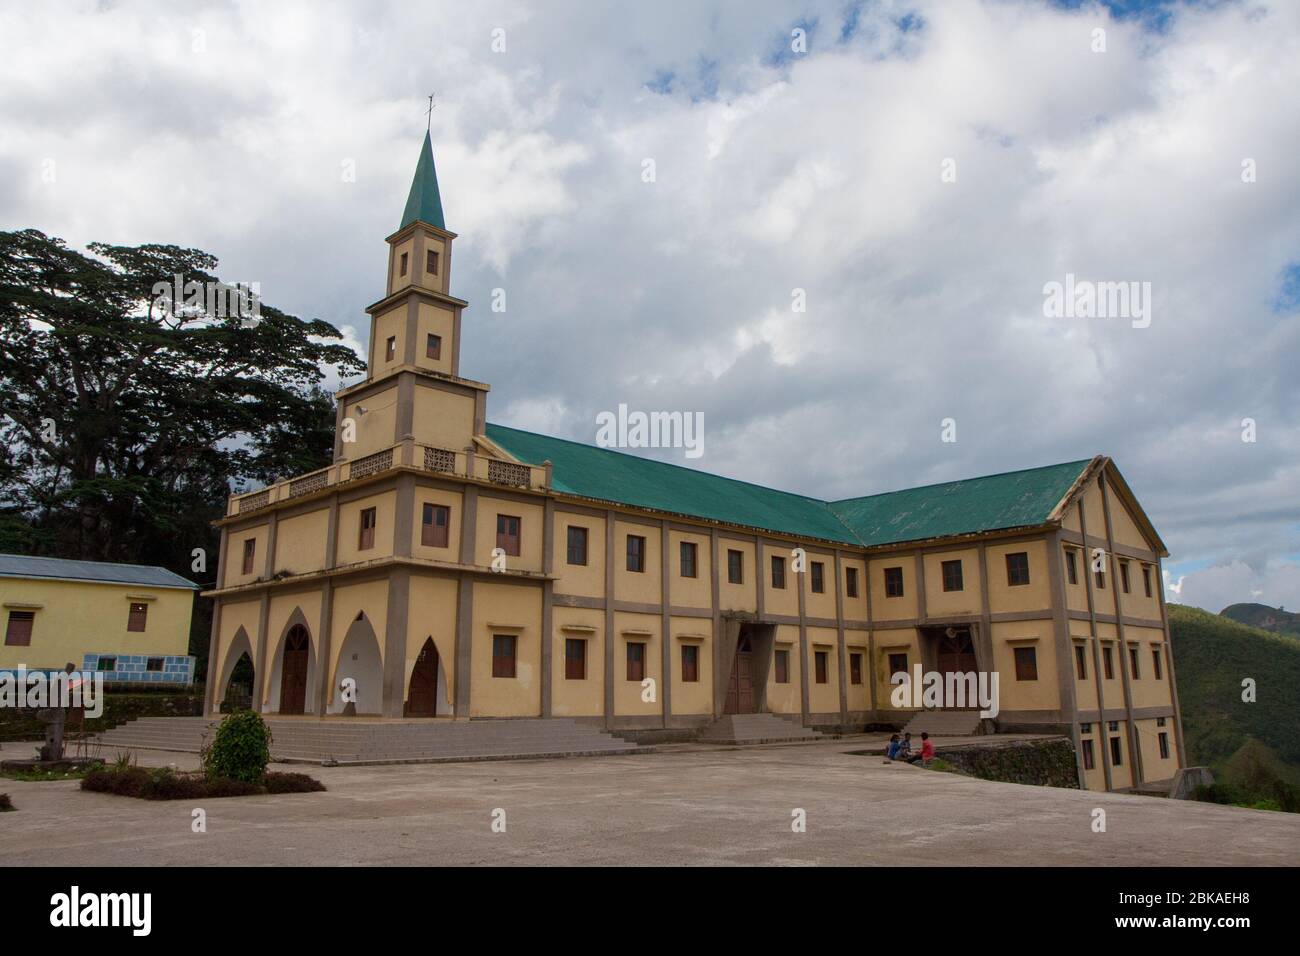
(1013, 500)
(425, 202)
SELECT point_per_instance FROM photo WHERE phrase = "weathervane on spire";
(429, 111)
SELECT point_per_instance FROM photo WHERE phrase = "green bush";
(163, 783)
(5, 803)
(240, 749)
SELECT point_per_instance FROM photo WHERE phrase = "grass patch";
(44, 776)
(163, 783)
(6, 804)
(943, 766)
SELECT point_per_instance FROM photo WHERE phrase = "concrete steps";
(374, 741)
(944, 723)
(756, 729)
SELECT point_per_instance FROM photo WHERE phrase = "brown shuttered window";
(782, 667)
(431, 261)
(1071, 569)
(1089, 761)
(1108, 663)
(508, 534)
(818, 577)
(1123, 575)
(1099, 579)
(897, 664)
(503, 655)
(735, 567)
(135, 620)
(405, 259)
(18, 632)
(250, 551)
(1080, 662)
(893, 582)
(1116, 752)
(635, 661)
(688, 554)
(855, 668)
(778, 571)
(952, 575)
(575, 658)
(1135, 672)
(1026, 663)
(851, 582)
(690, 664)
(819, 662)
(635, 553)
(577, 545)
(1017, 568)
(1164, 746)
(433, 346)
(434, 526)
(1155, 663)
(1146, 579)
(366, 537)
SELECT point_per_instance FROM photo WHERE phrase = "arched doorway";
(422, 695)
(293, 671)
(237, 675)
(361, 666)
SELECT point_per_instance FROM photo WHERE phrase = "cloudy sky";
(921, 169)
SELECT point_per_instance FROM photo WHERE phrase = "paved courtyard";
(681, 806)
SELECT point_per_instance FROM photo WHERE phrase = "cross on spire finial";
(429, 111)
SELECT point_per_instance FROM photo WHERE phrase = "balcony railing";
(430, 458)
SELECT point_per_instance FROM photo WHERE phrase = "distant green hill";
(1262, 616)
(1245, 744)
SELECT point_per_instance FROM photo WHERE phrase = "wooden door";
(293, 672)
(956, 654)
(740, 692)
(422, 697)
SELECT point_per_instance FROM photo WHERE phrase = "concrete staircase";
(944, 723)
(756, 729)
(364, 741)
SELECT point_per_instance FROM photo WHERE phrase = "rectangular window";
(855, 668)
(575, 658)
(1099, 579)
(434, 525)
(778, 571)
(690, 664)
(1085, 728)
(433, 346)
(1164, 745)
(137, 616)
(1123, 575)
(1155, 663)
(577, 545)
(1089, 761)
(1133, 661)
(688, 553)
(106, 664)
(1080, 662)
(366, 536)
(431, 261)
(1109, 662)
(635, 661)
(735, 567)
(154, 665)
(1017, 568)
(250, 551)
(851, 582)
(1160, 721)
(897, 664)
(893, 582)
(405, 258)
(782, 667)
(1116, 753)
(635, 552)
(18, 632)
(1026, 663)
(503, 655)
(819, 663)
(818, 577)
(952, 575)
(390, 348)
(1146, 579)
(1114, 725)
(1071, 569)
(508, 534)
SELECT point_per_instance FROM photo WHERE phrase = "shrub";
(292, 783)
(164, 783)
(6, 804)
(240, 749)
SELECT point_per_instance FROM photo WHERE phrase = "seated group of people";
(900, 748)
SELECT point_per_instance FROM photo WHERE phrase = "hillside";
(1272, 619)
(1238, 740)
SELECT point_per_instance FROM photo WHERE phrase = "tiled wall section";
(134, 669)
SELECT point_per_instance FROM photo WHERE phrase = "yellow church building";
(446, 567)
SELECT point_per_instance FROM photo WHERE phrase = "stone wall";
(1046, 763)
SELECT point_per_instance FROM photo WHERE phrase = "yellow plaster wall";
(376, 429)
(1034, 596)
(396, 280)
(514, 609)
(453, 501)
(1154, 767)
(785, 698)
(859, 695)
(690, 592)
(578, 698)
(441, 322)
(432, 613)
(823, 698)
(695, 697)
(894, 641)
(235, 558)
(895, 608)
(627, 694)
(738, 597)
(823, 604)
(349, 530)
(855, 609)
(441, 418)
(586, 580)
(388, 324)
(300, 542)
(940, 602)
(370, 597)
(1041, 694)
(642, 587)
(530, 532)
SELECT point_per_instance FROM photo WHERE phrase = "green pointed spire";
(424, 202)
